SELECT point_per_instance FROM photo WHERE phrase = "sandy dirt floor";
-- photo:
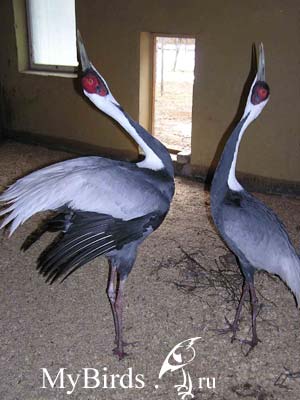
(182, 286)
(173, 114)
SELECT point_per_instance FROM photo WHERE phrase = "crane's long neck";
(157, 156)
(224, 177)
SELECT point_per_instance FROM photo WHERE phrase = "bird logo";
(178, 358)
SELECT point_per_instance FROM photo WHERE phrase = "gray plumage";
(105, 207)
(92, 184)
(250, 229)
(256, 235)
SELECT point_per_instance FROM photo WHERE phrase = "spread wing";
(91, 184)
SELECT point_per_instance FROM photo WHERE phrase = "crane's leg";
(255, 309)
(119, 350)
(115, 291)
(111, 291)
(234, 326)
(248, 272)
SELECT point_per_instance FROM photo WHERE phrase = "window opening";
(52, 34)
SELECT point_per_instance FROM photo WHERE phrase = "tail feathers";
(290, 273)
(297, 295)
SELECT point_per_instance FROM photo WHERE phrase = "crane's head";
(260, 91)
(93, 84)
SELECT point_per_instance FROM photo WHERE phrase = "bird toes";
(119, 350)
(251, 343)
(120, 353)
(232, 327)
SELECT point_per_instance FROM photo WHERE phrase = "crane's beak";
(84, 60)
(261, 74)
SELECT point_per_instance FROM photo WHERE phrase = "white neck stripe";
(110, 107)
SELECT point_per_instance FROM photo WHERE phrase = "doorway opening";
(174, 61)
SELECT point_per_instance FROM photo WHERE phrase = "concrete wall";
(224, 30)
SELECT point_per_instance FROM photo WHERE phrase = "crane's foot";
(251, 343)
(119, 350)
(232, 327)
(120, 353)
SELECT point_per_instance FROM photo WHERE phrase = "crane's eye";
(260, 92)
(93, 84)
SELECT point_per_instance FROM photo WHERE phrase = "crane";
(104, 207)
(251, 230)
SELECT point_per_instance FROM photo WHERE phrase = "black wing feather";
(90, 235)
(59, 223)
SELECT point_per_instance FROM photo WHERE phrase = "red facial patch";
(263, 93)
(92, 84)
(260, 92)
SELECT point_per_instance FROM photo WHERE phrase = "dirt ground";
(182, 286)
(173, 113)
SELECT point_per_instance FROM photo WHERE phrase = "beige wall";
(224, 30)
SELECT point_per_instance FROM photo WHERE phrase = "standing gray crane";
(250, 229)
(106, 207)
